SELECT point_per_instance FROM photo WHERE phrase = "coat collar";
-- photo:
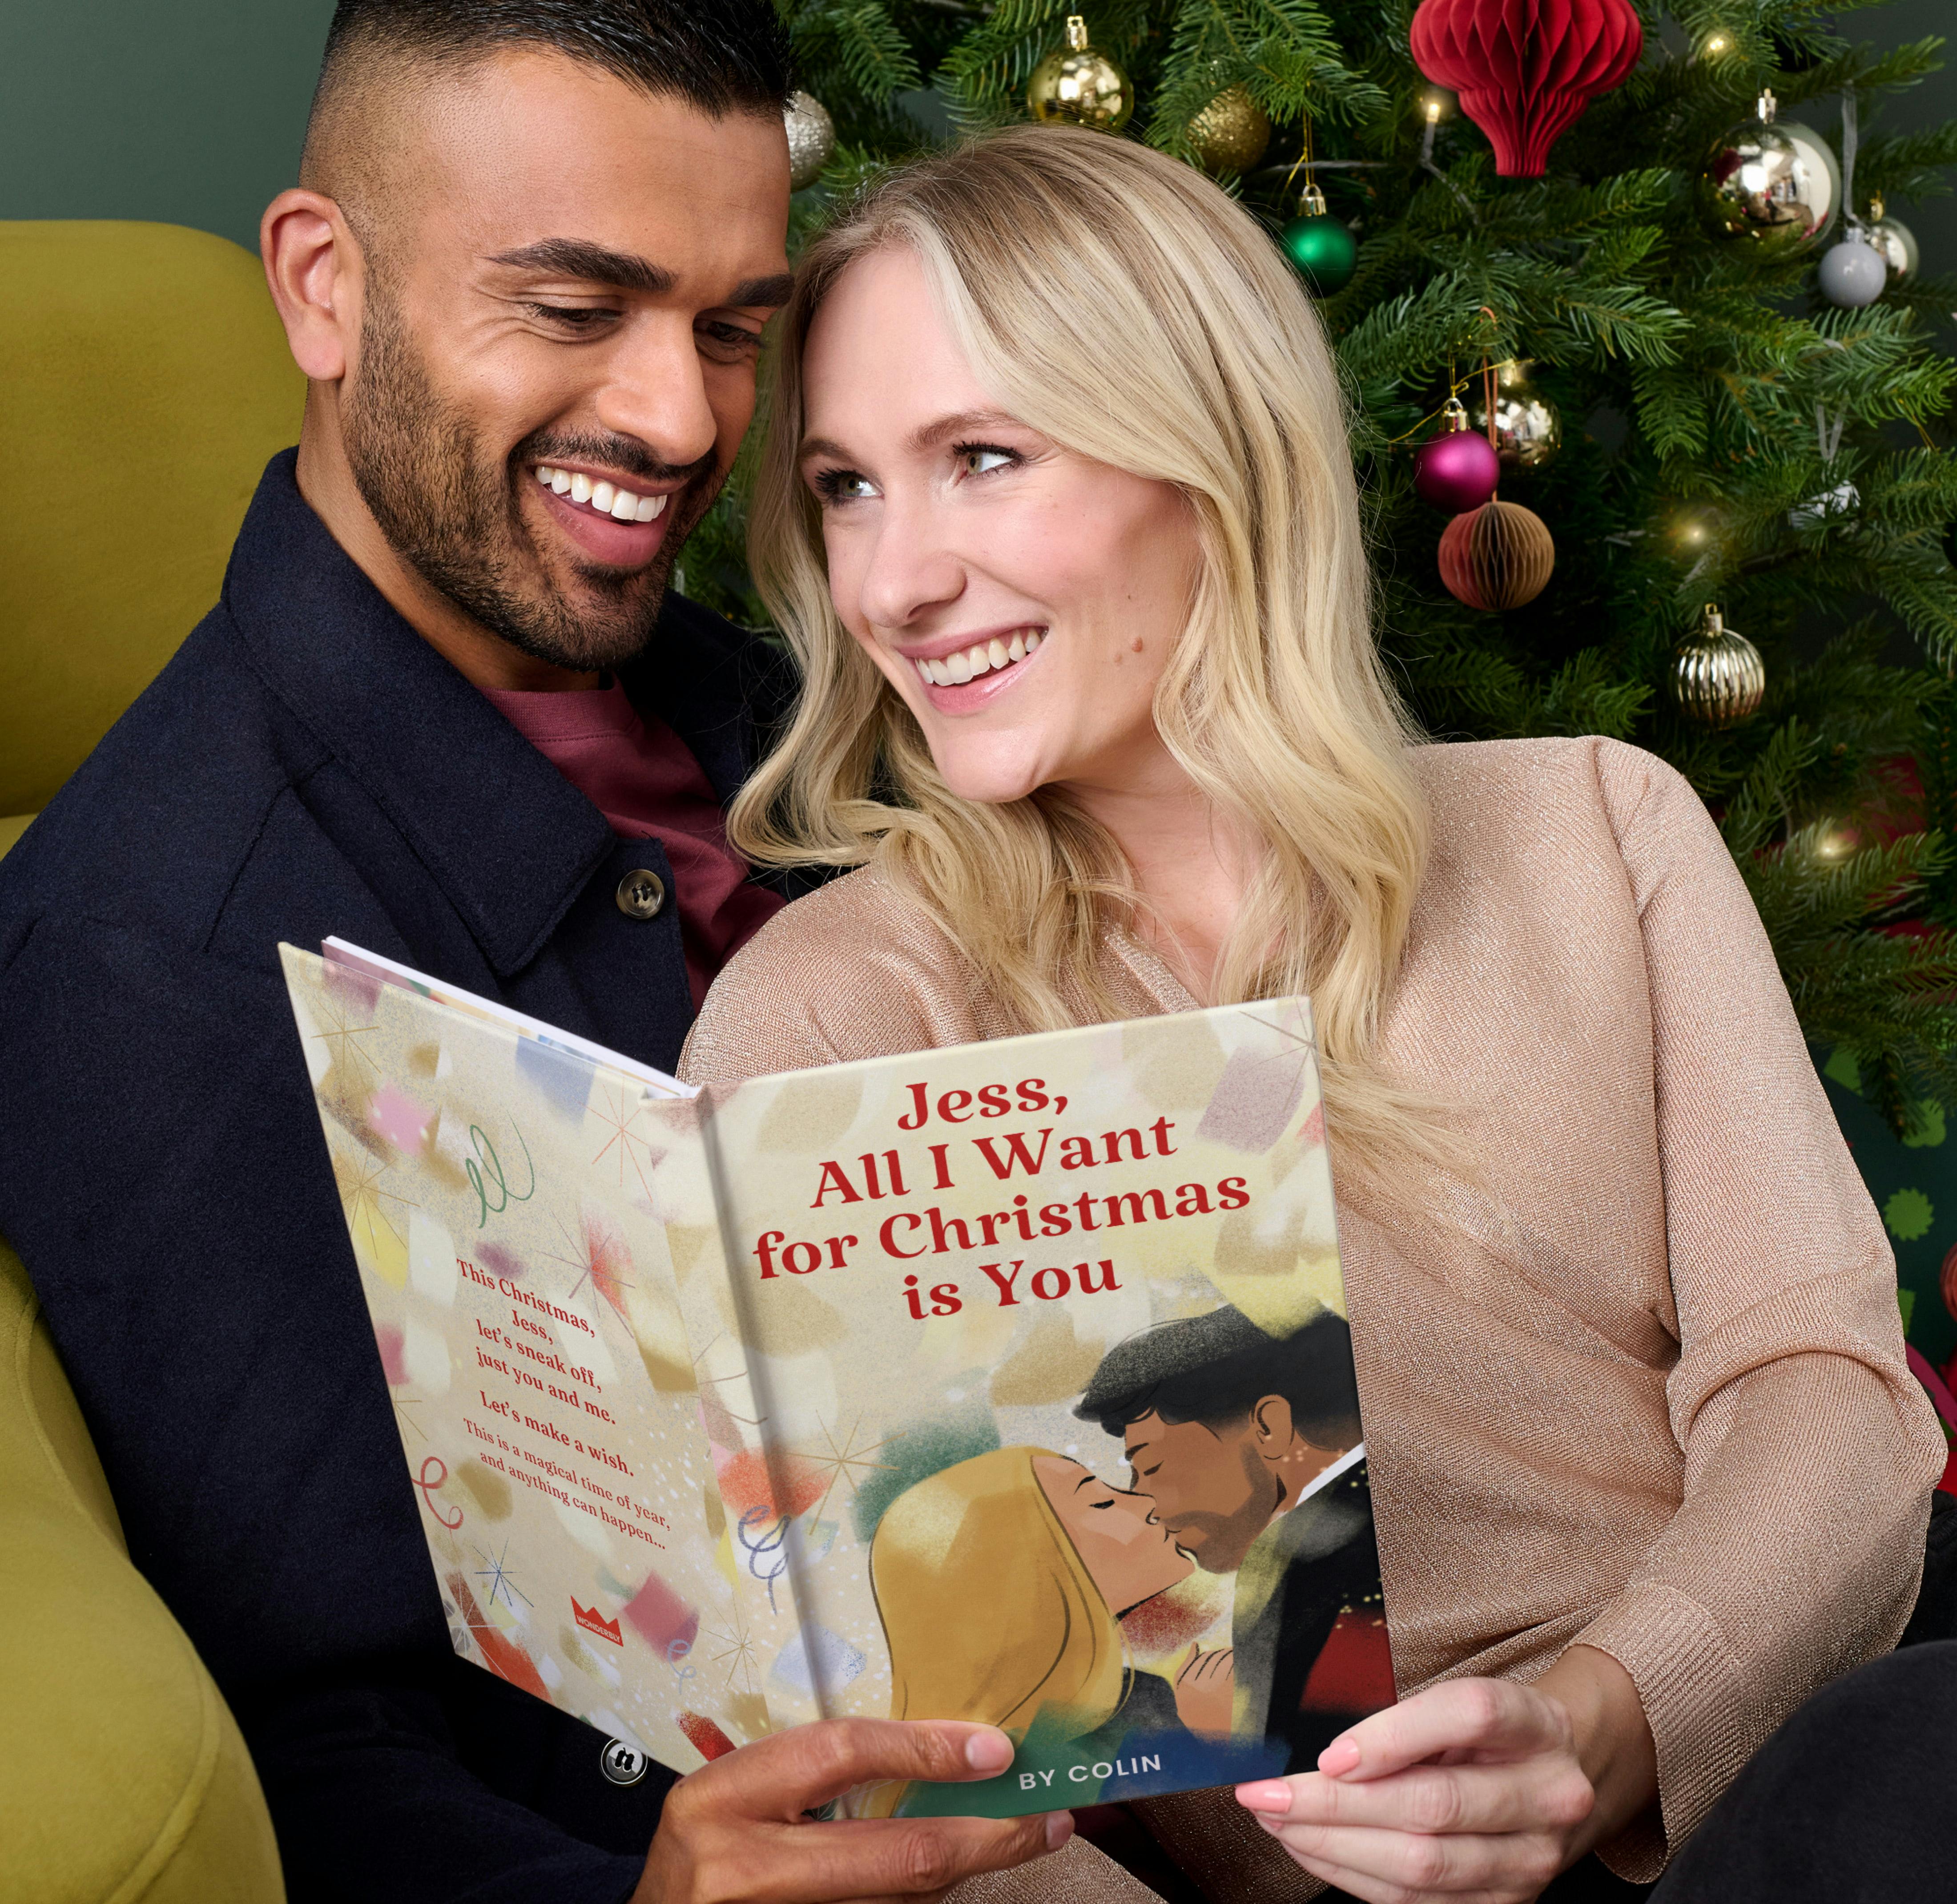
(508, 838)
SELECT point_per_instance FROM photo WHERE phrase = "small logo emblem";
(593, 1621)
(622, 1763)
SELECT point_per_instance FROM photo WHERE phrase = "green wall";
(191, 110)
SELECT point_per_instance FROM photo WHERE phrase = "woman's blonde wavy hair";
(987, 1609)
(1117, 302)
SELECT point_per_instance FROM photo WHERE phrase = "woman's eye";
(843, 485)
(981, 459)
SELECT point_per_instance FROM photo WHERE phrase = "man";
(1248, 1445)
(525, 274)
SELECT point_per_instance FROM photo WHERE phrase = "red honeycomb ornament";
(1525, 69)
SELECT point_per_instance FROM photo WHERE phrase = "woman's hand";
(1204, 1691)
(1479, 1789)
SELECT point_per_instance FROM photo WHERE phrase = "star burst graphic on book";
(619, 1111)
(736, 1652)
(842, 1460)
(500, 1580)
(601, 1259)
(342, 1041)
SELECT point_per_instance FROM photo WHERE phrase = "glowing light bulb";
(1717, 44)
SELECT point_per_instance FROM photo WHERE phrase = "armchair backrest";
(144, 382)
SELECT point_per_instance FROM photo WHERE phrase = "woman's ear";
(313, 266)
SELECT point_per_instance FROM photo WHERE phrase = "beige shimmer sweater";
(1643, 1387)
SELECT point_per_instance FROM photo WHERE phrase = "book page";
(497, 1188)
(1051, 1419)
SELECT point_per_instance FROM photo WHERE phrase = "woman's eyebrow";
(821, 446)
(929, 435)
(1090, 1475)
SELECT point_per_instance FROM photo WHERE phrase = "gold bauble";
(1230, 133)
(811, 138)
(1527, 431)
(1081, 87)
(1718, 678)
(1895, 240)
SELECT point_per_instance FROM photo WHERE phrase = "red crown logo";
(593, 1621)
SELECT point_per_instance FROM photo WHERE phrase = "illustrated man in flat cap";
(1249, 1446)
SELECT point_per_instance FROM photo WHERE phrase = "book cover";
(1008, 1382)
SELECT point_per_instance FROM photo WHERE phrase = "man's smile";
(621, 527)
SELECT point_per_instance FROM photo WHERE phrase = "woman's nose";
(912, 570)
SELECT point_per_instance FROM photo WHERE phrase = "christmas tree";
(1681, 406)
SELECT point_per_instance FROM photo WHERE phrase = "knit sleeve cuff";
(1690, 1682)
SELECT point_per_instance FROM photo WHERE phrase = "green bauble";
(1324, 251)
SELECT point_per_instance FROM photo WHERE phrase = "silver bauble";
(1528, 431)
(1772, 186)
(811, 138)
(1825, 506)
(1853, 273)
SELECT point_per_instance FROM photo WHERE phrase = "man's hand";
(1476, 1791)
(735, 1832)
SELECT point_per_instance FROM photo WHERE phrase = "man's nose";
(655, 391)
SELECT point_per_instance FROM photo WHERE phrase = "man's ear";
(314, 267)
(1270, 1422)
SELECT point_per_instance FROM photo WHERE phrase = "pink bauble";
(1457, 472)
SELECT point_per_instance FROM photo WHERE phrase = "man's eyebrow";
(597, 263)
(772, 292)
(579, 258)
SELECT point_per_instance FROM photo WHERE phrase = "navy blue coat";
(307, 764)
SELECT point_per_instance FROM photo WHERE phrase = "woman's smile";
(961, 674)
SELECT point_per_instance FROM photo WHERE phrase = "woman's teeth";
(621, 504)
(983, 657)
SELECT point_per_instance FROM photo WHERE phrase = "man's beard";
(450, 511)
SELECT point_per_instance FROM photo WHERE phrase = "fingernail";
(1340, 1756)
(1267, 1794)
(1059, 1828)
(988, 1750)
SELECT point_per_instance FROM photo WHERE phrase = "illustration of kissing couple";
(1003, 1581)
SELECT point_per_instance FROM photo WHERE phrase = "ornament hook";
(1077, 33)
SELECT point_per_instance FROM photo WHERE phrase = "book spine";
(761, 1541)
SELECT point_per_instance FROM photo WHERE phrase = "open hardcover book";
(1010, 1382)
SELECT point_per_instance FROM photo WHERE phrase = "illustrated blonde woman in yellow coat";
(1001, 1583)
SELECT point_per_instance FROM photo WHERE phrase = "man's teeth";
(954, 670)
(621, 504)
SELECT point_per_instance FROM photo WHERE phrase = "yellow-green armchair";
(145, 383)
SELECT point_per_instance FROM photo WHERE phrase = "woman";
(1057, 510)
(1001, 1583)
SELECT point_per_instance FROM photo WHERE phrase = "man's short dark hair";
(1216, 1368)
(722, 56)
